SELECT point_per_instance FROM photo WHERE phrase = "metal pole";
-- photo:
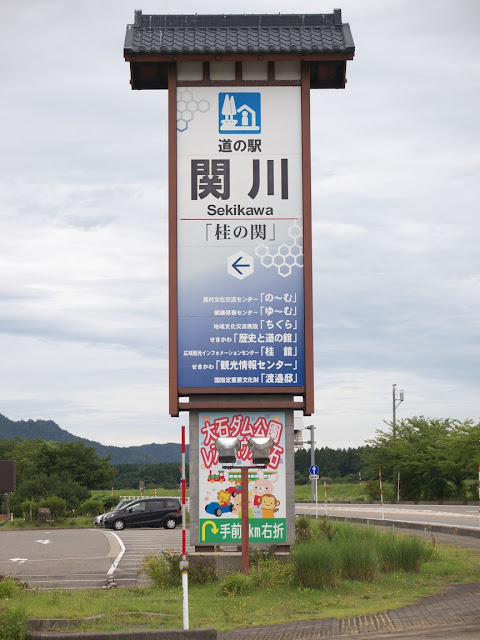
(394, 426)
(245, 528)
(312, 457)
(184, 563)
(394, 430)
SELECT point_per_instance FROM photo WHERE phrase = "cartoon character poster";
(220, 490)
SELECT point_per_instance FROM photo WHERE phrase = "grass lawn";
(335, 492)
(155, 607)
(64, 523)
(121, 494)
(348, 492)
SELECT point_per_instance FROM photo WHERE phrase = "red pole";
(245, 528)
(184, 563)
(184, 532)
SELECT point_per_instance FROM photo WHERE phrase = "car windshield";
(121, 504)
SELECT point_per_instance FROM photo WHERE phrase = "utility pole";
(396, 403)
(311, 428)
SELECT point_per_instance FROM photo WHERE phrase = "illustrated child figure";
(269, 505)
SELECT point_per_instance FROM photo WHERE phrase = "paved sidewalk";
(458, 605)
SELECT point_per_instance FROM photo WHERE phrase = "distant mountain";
(49, 430)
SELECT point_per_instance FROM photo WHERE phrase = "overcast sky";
(83, 220)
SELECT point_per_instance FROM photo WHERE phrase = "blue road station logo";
(239, 112)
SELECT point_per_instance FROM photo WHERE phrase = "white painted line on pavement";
(82, 558)
(119, 557)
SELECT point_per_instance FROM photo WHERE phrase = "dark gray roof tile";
(301, 34)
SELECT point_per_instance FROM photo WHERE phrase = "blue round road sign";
(314, 470)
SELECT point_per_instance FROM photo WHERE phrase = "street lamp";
(260, 448)
(227, 449)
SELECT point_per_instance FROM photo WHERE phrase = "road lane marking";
(40, 560)
(119, 556)
(413, 512)
(452, 526)
(19, 560)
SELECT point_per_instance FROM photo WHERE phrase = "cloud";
(83, 220)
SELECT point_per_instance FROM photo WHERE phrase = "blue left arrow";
(238, 266)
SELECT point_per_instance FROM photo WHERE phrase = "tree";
(166, 475)
(333, 463)
(67, 470)
(435, 457)
(82, 464)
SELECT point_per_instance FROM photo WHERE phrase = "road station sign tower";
(240, 242)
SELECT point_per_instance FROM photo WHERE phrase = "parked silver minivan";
(99, 519)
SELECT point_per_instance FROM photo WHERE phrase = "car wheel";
(170, 523)
(234, 493)
(218, 512)
(118, 525)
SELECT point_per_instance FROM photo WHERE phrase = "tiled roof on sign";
(238, 34)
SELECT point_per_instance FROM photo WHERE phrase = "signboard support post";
(245, 532)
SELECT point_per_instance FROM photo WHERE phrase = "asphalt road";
(450, 515)
(67, 558)
(138, 544)
(81, 558)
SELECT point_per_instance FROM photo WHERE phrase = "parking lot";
(81, 558)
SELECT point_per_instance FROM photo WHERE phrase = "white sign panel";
(240, 237)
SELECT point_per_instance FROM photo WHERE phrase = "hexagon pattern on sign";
(187, 107)
(240, 265)
(286, 256)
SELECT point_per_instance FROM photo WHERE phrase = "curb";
(153, 634)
